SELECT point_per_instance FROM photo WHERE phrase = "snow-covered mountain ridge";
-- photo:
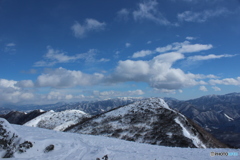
(58, 121)
(147, 121)
(88, 147)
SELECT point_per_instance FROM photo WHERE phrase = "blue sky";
(69, 50)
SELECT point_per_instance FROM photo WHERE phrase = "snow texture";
(229, 118)
(10, 141)
(196, 141)
(70, 146)
(147, 121)
(57, 120)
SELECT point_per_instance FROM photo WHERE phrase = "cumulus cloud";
(11, 92)
(25, 84)
(203, 16)
(208, 57)
(80, 30)
(226, 81)
(203, 88)
(142, 53)
(215, 88)
(4, 83)
(62, 78)
(148, 10)
(158, 72)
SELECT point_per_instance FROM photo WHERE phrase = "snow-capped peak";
(147, 121)
(57, 120)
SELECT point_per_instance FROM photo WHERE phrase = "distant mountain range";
(218, 114)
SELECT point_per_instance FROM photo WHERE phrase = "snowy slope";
(57, 120)
(148, 121)
(69, 146)
(11, 141)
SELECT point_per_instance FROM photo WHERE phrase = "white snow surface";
(196, 141)
(151, 104)
(57, 120)
(229, 118)
(70, 146)
(10, 132)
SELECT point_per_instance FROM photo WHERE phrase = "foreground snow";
(86, 147)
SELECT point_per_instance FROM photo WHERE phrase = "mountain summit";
(148, 121)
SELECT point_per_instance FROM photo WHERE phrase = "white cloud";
(69, 96)
(116, 54)
(142, 53)
(111, 94)
(164, 49)
(131, 70)
(80, 30)
(226, 81)
(123, 14)
(11, 92)
(184, 47)
(60, 57)
(104, 60)
(4, 83)
(27, 96)
(203, 16)
(190, 38)
(167, 91)
(149, 42)
(63, 78)
(53, 57)
(128, 45)
(57, 95)
(25, 84)
(208, 57)
(148, 10)
(10, 45)
(203, 88)
(158, 72)
(216, 88)
(10, 48)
